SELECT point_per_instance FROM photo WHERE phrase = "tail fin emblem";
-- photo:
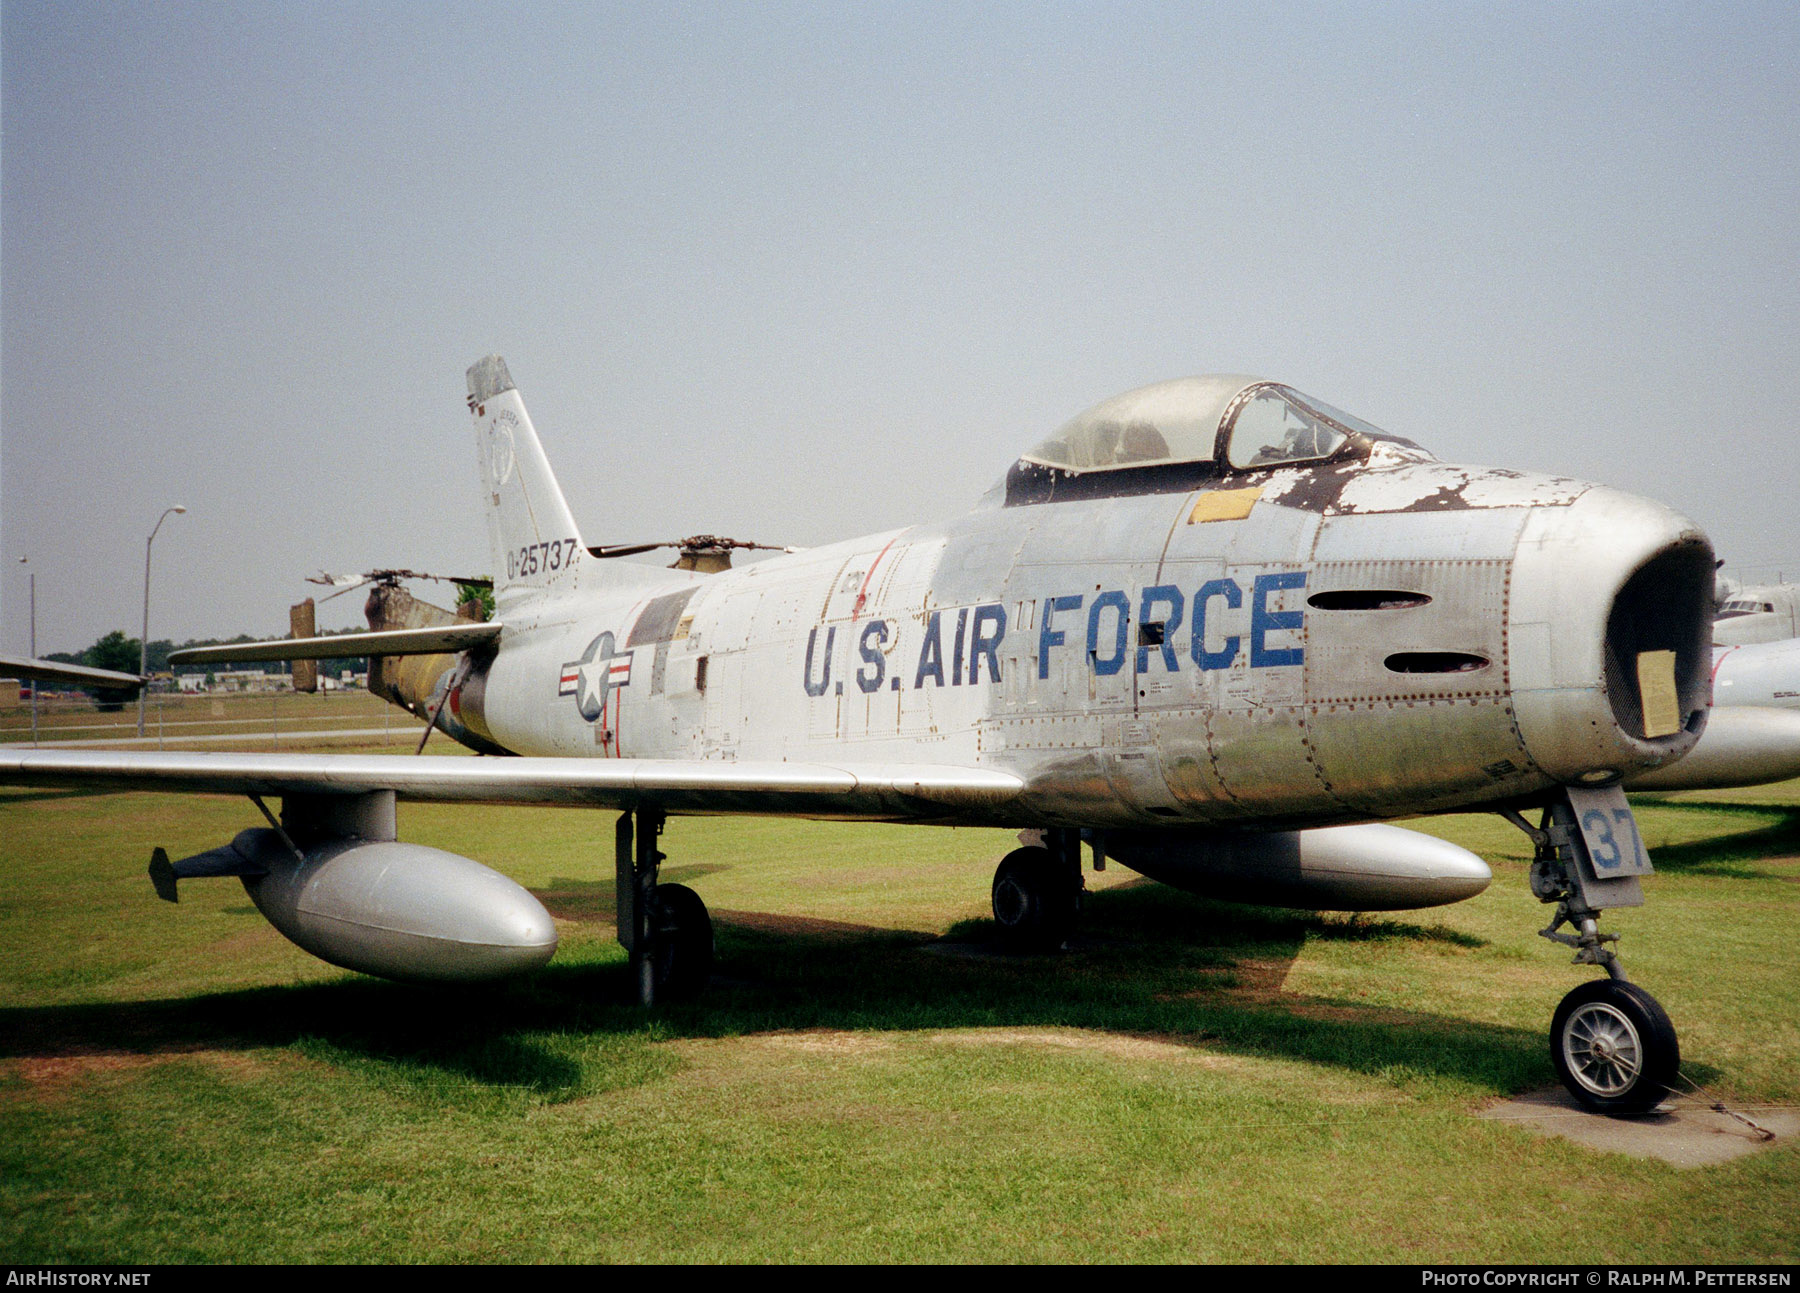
(502, 456)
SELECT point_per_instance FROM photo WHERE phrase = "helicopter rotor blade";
(348, 588)
(605, 550)
(693, 543)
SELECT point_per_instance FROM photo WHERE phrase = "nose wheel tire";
(683, 957)
(1614, 1047)
(1036, 900)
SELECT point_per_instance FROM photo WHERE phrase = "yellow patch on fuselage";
(1224, 505)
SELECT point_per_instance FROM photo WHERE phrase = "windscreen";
(1275, 426)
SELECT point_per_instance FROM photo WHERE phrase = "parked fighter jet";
(1765, 613)
(1214, 628)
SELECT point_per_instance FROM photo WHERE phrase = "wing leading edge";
(868, 792)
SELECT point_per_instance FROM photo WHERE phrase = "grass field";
(252, 720)
(864, 1081)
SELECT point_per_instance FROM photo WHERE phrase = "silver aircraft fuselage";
(1370, 635)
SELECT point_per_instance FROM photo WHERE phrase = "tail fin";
(532, 538)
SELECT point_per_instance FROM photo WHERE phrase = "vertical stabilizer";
(532, 538)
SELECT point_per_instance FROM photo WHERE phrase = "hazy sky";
(794, 273)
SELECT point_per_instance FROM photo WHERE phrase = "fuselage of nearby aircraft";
(1757, 614)
(1763, 674)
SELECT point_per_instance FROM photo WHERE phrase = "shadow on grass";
(570, 899)
(1776, 836)
(1151, 908)
(1150, 962)
(12, 795)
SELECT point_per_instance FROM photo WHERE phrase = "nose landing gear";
(1611, 1042)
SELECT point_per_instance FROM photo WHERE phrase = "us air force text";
(968, 648)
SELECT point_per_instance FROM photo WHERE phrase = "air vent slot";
(1366, 599)
(1435, 662)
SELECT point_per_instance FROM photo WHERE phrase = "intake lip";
(1663, 607)
(1599, 587)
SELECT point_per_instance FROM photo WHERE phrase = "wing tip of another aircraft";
(29, 668)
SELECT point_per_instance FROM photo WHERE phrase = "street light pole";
(144, 638)
(26, 561)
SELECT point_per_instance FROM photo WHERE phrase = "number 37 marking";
(1605, 846)
(1614, 847)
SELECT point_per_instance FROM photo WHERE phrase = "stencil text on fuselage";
(1205, 628)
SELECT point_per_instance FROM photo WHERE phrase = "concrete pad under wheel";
(1680, 1131)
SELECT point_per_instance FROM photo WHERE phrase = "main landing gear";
(664, 926)
(1612, 1044)
(1038, 891)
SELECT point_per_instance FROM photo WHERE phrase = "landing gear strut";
(1038, 891)
(664, 926)
(1611, 1042)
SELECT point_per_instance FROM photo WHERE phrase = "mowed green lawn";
(254, 720)
(865, 1080)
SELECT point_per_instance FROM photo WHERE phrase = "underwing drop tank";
(405, 911)
(387, 908)
(1373, 867)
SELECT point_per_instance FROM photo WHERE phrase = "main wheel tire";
(1614, 1047)
(682, 950)
(1036, 900)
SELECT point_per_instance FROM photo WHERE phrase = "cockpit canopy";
(1235, 421)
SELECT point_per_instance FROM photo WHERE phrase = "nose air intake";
(1658, 644)
(1609, 636)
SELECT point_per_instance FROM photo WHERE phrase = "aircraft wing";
(868, 792)
(427, 641)
(79, 675)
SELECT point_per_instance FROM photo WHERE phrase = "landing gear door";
(1611, 855)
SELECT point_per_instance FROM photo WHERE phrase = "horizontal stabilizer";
(426, 641)
(866, 792)
(79, 675)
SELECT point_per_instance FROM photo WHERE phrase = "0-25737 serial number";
(537, 557)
